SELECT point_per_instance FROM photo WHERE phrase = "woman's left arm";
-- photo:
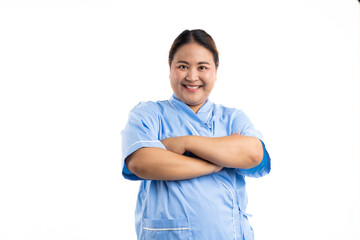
(235, 151)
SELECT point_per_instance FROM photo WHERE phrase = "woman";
(192, 155)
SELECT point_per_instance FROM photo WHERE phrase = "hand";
(175, 144)
(236, 133)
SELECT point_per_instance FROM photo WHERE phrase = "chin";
(192, 100)
(194, 103)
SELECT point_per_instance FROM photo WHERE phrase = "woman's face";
(193, 74)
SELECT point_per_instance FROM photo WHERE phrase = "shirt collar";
(204, 113)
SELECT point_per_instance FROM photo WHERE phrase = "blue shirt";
(207, 207)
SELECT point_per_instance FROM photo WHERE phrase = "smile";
(192, 86)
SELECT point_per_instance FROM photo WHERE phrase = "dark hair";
(197, 35)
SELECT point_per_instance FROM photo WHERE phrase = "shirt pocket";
(177, 229)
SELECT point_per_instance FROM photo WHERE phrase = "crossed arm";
(235, 151)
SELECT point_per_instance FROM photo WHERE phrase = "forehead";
(193, 52)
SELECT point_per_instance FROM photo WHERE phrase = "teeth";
(190, 87)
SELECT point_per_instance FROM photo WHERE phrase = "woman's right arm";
(160, 164)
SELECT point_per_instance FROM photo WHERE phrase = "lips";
(193, 87)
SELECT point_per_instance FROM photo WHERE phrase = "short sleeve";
(242, 124)
(141, 130)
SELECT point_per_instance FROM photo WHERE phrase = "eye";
(182, 67)
(202, 68)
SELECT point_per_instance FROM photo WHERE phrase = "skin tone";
(192, 78)
(193, 74)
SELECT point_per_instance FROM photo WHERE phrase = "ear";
(169, 67)
(216, 72)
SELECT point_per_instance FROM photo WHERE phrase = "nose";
(192, 75)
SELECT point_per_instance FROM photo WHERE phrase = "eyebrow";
(182, 61)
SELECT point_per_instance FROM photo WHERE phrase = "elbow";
(135, 166)
(252, 161)
(257, 158)
(257, 153)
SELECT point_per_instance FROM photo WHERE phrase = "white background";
(70, 72)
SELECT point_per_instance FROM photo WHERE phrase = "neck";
(196, 108)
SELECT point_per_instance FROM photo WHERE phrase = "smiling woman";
(193, 69)
(192, 155)
(193, 75)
